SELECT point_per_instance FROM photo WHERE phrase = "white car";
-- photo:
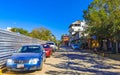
(52, 44)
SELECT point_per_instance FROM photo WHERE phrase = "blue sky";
(55, 15)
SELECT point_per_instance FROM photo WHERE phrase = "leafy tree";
(39, 33)
(53, 38)
(102, 17)
(43, 34)
(20, 30)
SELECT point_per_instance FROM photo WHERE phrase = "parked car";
(48, 49)
(28, 57)
(52, 44)
(75, 46)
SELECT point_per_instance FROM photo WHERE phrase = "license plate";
(20, 65)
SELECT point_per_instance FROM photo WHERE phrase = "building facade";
(76, 30)
(65, 40)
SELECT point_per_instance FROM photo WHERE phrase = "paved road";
(75, 62)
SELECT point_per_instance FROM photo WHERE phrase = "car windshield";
(46, 46)
(30, 49)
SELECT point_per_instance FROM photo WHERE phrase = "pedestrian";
(95, 45)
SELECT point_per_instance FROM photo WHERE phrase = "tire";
(45, 59)
(49, 56)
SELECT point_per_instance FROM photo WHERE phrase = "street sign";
(94, 37)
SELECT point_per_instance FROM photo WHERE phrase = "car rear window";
(30, 49)
(50, 43)
(46, 46)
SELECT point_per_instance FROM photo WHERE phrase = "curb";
(2, 70)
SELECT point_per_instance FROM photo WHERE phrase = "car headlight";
(33, 61)
(10, 61)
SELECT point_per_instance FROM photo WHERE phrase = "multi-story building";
(76, 31)
(65, 40)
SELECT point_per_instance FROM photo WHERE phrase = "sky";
(55, 15)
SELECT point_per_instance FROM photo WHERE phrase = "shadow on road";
(20, 73)
(77, 68)
(62, 73)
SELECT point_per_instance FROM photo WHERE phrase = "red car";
(48, 49)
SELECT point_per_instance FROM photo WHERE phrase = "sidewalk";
(113, 56)
(109, 55)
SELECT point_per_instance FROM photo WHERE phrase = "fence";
(10, 42)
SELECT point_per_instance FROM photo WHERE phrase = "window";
(30, 49)
(46, 46)
(77, 25)
(50, 43)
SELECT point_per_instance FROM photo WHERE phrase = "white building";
(76, 29)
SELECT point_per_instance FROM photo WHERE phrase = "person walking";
(95, 45)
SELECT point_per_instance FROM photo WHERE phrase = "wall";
(10, 42)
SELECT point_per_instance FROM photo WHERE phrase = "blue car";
(75, 46)
(29, 57)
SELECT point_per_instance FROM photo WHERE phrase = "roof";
(32, 45)
(76, 22)
(49, 42)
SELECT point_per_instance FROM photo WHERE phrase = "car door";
(43, 54)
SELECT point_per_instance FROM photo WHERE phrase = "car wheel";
(45, 60)
(49, 56)
(51, 53)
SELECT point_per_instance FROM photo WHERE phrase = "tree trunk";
(116, 46)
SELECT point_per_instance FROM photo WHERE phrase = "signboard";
(65, 38)
(94, 37)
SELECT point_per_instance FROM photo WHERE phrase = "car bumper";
(27, 67)
(48, 54)
(22, 69)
